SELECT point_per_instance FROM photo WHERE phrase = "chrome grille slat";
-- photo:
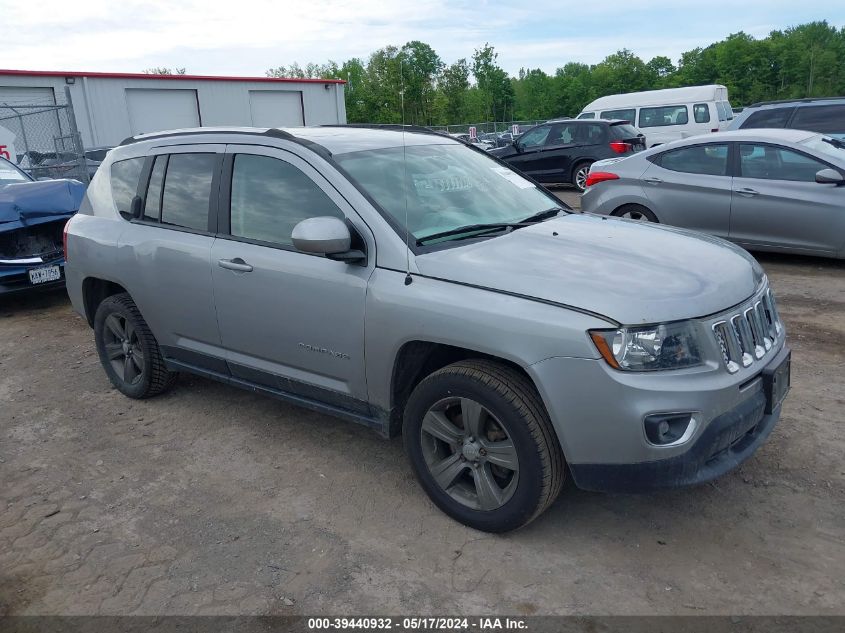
(748, 334)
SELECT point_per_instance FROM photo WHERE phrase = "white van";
(669, 114)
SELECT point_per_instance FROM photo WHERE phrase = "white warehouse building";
(110, 107)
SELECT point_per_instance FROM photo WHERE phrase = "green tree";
(165, 70)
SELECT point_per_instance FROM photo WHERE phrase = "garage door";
(14, 95)
(276, 108)
(152, 110)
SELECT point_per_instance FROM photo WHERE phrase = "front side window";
(187, 190)
(626, 114)
(663, 115)
(446, 186)
(699, 159)
(768, 162)
(535, 137)
(771, 117)
(701, 112)
(124, 182)
(270, 197)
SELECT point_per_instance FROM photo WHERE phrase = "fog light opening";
(665, 429)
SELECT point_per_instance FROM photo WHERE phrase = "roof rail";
(802, 100)
(272, 132)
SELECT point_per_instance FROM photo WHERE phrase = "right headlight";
(650, 348)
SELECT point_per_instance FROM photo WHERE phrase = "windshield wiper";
(835, 142)
(478, 230)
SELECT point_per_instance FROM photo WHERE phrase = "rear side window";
(699, 159)
(187, 190)
(664, 115)
(701, 112)
(124, 182)
(767, 162)
(626, 114)
(152, 201)
(771, 117)
(270, 197)
(827, 119)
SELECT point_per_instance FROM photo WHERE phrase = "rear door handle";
(653, 181)
(236, 264)
(746, 191)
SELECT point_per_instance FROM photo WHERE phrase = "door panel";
(777, 203)
(530, 160)
(686, 191)
(289, 320)
(166, 268)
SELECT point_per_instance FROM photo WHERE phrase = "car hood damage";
(630, 272)
(31, 203)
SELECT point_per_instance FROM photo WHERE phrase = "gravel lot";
(211, 500)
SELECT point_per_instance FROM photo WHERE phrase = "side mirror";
(829, 176)
(326, 235)
(136, 208)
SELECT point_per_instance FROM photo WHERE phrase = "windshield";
(448, 186)
(826, 145)
(10, 174)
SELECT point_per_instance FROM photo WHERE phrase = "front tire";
(482, 446)
(128, 350)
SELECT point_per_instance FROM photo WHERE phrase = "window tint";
(152, 201)
(124, 182)
(701, 112)
(627, 114)
(664, 115)
(587, 115)
(777, 163)
(828, 119)
(729, 111)
(720, 111)
(580, 133)
(772, 117)
(624, 131)
(535, 137)
(700, 159)
(187, 190)
(270, 197)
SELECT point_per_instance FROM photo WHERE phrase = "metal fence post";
(77, 137)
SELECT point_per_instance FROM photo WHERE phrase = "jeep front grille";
(748, 335)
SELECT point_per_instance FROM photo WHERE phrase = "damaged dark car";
(33, 215)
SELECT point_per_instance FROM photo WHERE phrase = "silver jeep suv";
(406, 281)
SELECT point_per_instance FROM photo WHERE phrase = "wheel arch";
(419, 358)
(94, 291)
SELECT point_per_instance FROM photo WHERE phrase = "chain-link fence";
(43, 140)
(495, 133)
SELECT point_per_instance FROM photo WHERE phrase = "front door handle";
(236, 264)
(653, 181)
(746, 191)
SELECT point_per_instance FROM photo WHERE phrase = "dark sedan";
(562, 151)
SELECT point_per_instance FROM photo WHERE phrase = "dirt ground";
(212, 500)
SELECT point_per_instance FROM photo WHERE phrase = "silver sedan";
(768, 190)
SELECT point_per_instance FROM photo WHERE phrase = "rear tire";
(579, 175)
(635, 212)
(128, 350)
(482, 446)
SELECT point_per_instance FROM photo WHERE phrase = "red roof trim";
(57, 73)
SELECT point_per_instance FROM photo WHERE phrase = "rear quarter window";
(124, 182)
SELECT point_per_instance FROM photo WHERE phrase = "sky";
(246, 37)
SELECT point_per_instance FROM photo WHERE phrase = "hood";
(628, 271)
(503, 152)
(33, 202)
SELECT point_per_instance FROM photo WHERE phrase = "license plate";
(776, 384)
(43, 275)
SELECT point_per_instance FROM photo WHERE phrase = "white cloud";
(248, 36)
